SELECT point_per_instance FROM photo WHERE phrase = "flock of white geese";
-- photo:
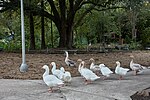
(60, 76)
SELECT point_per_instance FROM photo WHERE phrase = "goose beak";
(57, 64)
(131, 56)
(79, 60)
(91, 59)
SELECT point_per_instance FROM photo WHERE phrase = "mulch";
(142, 95)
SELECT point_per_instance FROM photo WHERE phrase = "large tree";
(63, 14)
(134, 7)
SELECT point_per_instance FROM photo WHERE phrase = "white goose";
(120, 70)
(135, 67)
(105, 70)
(87, 73)
(68, 61)
(58, 73)
(67, 75)
(93, 67)
(51, 80)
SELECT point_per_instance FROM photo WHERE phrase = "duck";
(68, 61)
(93, 67)
(136, 67)
(57, 72)
(67, 75)
(105, 70)
(120, 70)
(51, 80)
(87, 73)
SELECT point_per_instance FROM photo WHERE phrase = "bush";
(134, 45)
(145, 37)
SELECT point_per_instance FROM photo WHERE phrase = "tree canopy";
(68, 15)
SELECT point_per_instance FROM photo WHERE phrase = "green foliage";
(91, 28)
(146, 36)
(134, 45)
(12, 46)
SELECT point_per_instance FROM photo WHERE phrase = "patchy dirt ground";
(10, 62)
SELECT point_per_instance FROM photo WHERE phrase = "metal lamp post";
(24, 66)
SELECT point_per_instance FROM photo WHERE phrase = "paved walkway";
(109, 89)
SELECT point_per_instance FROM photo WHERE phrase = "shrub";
(145, 37)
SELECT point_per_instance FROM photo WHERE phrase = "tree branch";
(83, 15)
(96, 3)
(92, 7)
(62, 4)
(53, 8)
(104, 9)
(8, 5)
(71, 10)
(77, 4)
(34, 9)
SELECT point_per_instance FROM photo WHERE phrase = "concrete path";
(109, 89)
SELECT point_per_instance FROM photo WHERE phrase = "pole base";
(23, 67)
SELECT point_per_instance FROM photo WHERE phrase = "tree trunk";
(69, 37)
(32, 37)
(133, 21)
(63, 39)
(66, 36)
(133, 32)
(52, 39)
(134, 15)
(43, 46)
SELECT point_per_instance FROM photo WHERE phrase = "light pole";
(24, 66)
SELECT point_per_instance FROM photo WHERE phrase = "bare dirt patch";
(10, 62)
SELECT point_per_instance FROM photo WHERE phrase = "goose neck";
(92, 64)
(46, 72)
(82, 65)
(131, 62)
(79, 68)
(100, 66)
(66, 54)
(118, 64)
(53, 67)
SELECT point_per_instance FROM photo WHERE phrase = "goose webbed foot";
(87, 82)
(50, 90)
(120, 78)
